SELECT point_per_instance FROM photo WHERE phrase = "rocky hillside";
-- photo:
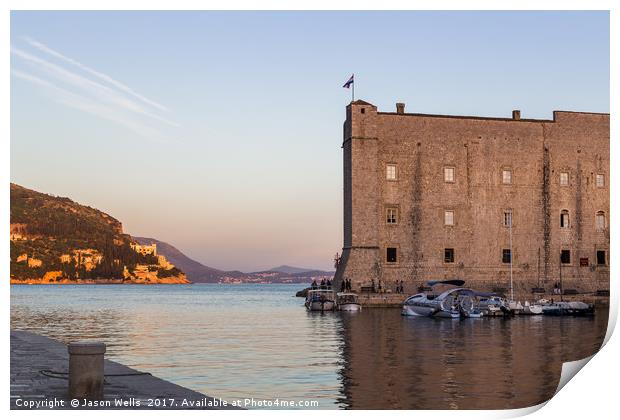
(54, 239)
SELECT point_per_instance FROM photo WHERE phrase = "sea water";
(239, 342)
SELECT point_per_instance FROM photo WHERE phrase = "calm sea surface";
(240, 341)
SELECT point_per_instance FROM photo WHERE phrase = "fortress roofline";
(361, 102)
(516, 115)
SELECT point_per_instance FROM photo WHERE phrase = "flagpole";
(353, 91)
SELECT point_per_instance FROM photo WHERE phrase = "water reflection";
(424, 363)
(259, 341)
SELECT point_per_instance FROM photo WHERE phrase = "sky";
(220, 132)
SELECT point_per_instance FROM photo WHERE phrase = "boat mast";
(538, 270)
(561, 285)
(512, 296)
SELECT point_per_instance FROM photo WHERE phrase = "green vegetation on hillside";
(56, 226)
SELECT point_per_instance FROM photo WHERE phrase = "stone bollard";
(86, 370)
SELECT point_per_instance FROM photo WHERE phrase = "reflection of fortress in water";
(423, 363)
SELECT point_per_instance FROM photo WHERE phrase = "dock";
(39, 380)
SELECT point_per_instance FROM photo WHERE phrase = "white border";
(590, 395)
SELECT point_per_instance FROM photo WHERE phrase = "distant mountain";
(287, 269)
(195, 271)
(199, 273)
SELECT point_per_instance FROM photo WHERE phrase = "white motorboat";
(348, 302)
(321, 299)
(531, 309)
(492, 306)
(454, 303)
(515, 306)
(575, 308)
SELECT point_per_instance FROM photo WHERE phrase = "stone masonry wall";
(479, 149)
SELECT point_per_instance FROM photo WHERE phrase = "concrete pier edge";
(39, 365)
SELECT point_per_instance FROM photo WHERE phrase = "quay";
(39, 379)
(395, 300)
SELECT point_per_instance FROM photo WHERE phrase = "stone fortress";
(443, 197)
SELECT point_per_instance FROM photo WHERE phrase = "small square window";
(600, 180)
(448, 255)
(391, 215)
(564, 179)
(448, 218)
(507, 218)
(565, 256)
(600, 257)
(507, 176)
(448, 174)
(391, 255)
(390, 172)
(506, 256)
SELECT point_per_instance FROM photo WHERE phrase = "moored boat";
(454, 303)
(531, 309)
(562, 308)
(493, 305)
(348, 302)
(321, 299)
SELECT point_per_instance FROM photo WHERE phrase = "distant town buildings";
(145, 249)
(440, 197)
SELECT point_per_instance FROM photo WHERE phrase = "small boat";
(493, 305)
(531, 309)
(562, 308)
(515, 306)
(454, 303)
(321, 299)
(348, 302)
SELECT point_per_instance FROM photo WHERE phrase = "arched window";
(564, 219)
(600, 220)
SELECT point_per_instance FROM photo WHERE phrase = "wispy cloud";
(95, 73)
(98, 94)
(87, 105)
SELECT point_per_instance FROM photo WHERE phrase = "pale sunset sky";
(220, 132)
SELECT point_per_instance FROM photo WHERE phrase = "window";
(600, 220)
(448, 218)
(506, 256)
(564, 179)
(448, 255)
(565, 256)
(507, 218)
(600, 180)
(564, 220)
(390, 172)
(507, 176)
(391, 255)
(600, 257)
(391, 215)
(448, 174)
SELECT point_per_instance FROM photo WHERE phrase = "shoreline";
(165, 280)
